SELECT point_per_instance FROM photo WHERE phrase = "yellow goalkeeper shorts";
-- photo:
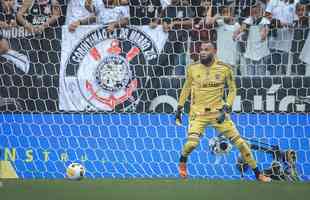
(197, 124)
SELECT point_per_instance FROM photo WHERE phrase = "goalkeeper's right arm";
(186, 87)
(184, 94)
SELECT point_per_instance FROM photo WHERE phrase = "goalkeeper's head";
(207, 53)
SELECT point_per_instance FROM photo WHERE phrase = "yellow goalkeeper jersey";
(206, 86)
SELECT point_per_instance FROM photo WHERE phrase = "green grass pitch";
(151, 189)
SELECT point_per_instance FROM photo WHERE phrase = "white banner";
(98, 69)
(304, 55)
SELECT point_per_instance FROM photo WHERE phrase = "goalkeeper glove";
(178, 115)
(222, 113)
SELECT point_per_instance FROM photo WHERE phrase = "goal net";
(107, 99)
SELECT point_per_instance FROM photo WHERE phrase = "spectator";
(255, 28)
(77, 10)
(37, 15)
(219, 5)
(7, 20)
(227, 30)
(165, 3)
(7, 14)
(202, 32)
(110, 13)
(20, 60)
(216, 6)
(243, 9)
(282, 10)
(204, 28)
(301, 33)
(115, 14)
(177, 19)
(145, 12)
(81, 9)
(208, 11)
(4, 45)
(283, 15)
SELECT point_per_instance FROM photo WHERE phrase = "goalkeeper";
(205, 81)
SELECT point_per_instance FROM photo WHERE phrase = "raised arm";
(21, 15)
(56, 12)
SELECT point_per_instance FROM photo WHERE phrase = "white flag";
(98, 69)
(304, 56)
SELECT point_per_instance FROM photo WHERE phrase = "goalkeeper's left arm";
(227, 107)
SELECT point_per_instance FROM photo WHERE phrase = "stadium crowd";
(256, 37)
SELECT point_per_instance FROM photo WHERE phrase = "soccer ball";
(219, 145)
(75, 171)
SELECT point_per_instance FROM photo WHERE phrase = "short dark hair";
(209, 42)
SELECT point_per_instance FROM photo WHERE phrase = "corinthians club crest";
(105, 70)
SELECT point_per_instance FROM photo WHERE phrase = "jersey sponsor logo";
(105, 68)
(212, 84)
